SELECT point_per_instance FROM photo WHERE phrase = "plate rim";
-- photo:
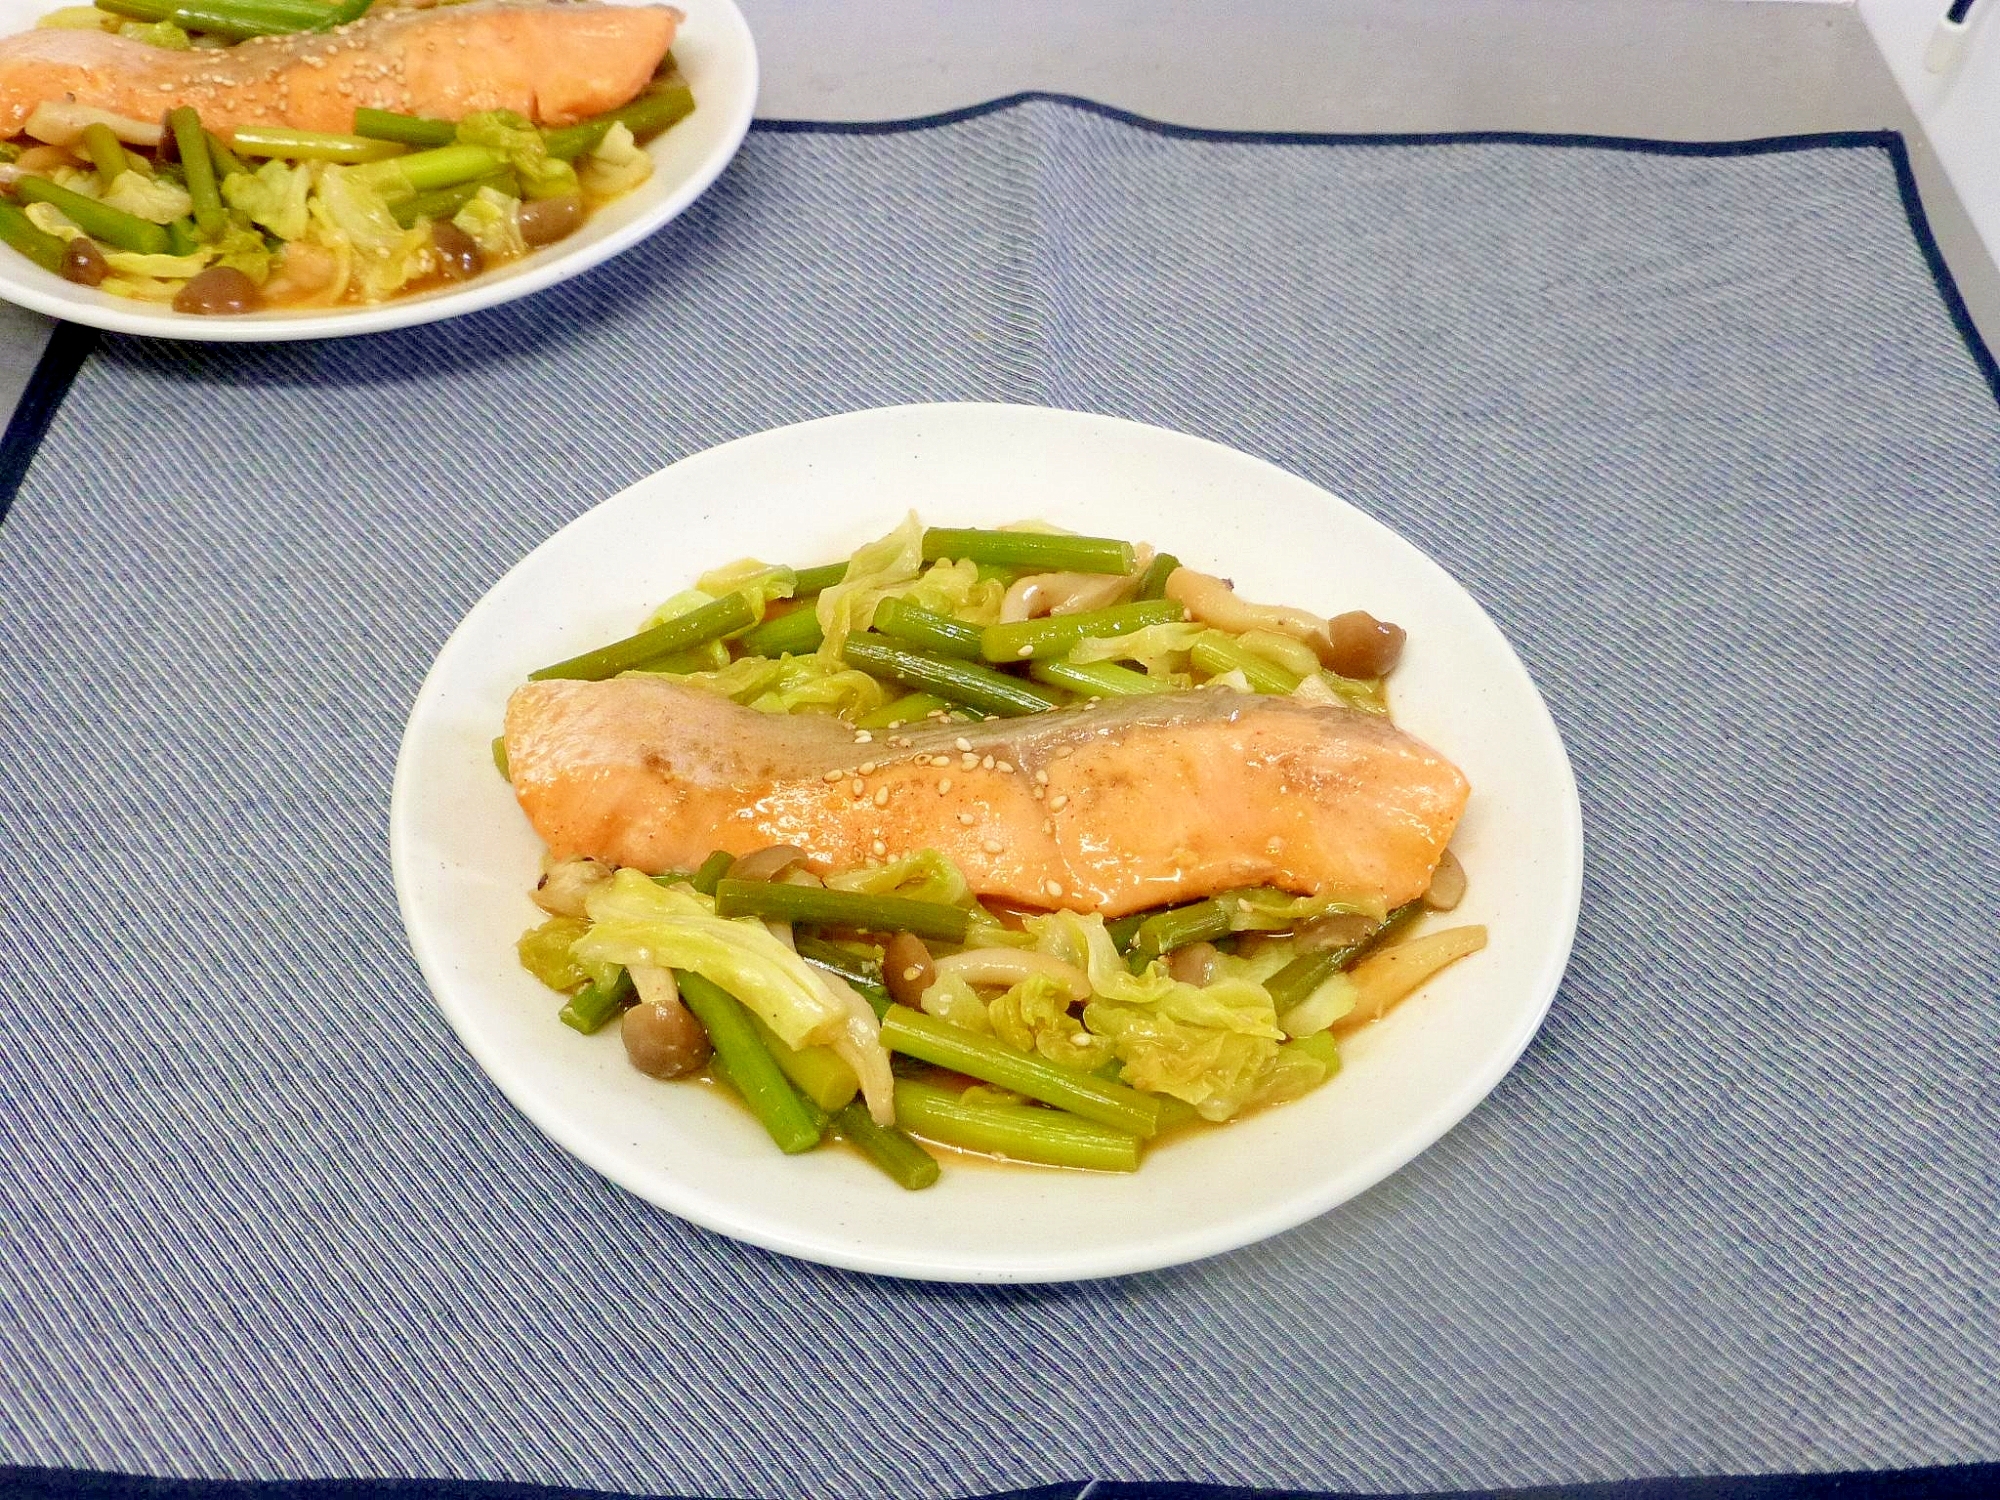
(24, 287)
(1163, 1251)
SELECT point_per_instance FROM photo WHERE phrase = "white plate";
(465, 857)
(716, 55)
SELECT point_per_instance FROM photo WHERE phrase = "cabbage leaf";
(516, 139)
(154, 199)
(492, 220)
(952, 999)
(1161, 650)
(616, 165)
(759, 583)
(956, 589)
(787, 685)
(347, 210)
(1262, 909)
(162, 34)
(274, 195)
(926, 875)
(544, 953)
(634, 921)
(874, 571)
(1034, 1016)
(1210, 1045)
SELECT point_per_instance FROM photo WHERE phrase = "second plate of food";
(312, 233)
(1264, 743)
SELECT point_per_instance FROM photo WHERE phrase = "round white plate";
(465, 857)
(716, 55)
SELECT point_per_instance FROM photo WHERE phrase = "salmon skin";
(555, 64)
(1113, 807)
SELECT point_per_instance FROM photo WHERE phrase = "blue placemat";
(1699, 429)
(1955, 1482)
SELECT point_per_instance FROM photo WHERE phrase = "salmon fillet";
(556, 64)
(1146, 801)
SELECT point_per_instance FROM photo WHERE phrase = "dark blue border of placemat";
(71, 344)
(63, 356)
(1958, 1482)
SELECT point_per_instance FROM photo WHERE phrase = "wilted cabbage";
(501, 130)
(875, 571)
(347, 210)
(544, 952)
(1216, 1071)
(493, 220)
(789, 685)
(1262, 909)
(162, 34)
(637, 922)
(616, 165)
(1211, 1045)
(925, 876)
(245, 250)
(166, 267)
(1034, 1016)
(153, 199)
(954, 588)
(274, 196)
(1162, 650)
(759, 583)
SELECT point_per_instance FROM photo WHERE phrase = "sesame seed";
(944, 785)
(969, 761)
(967, 819)
(880, 848)
(992, 846)
(881, 796)
(1005, 766)
(866, 768)
(859, 788)
(1042, 778)
(940, 760)
(1025, 652)
(834, 775)
(987, 763)
(863, 737)
(963, 743)
(1059, 801)
(913, 971)
(1054, 888)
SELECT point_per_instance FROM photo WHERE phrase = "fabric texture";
(1698, 430)
(1953, 1482)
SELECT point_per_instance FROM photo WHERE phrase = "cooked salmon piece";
(1114, 807)
(556, 64)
